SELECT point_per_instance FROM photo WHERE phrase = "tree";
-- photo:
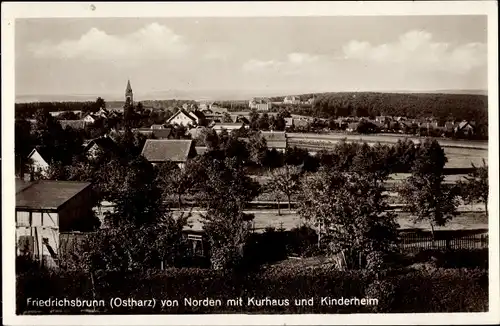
(285, 180)
(100, 103)
(24, 144)
(475, 186)
(225, 190)
(366, 127)
(373, 160)
(257, 149)
(122, 248)
(351, 215)
(174, 180)
(226, 118)
(263, 122)
(209, 138)
(232, 147)
(132, 188)
(254, 117)
(423, 193)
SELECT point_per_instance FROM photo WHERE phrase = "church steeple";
(129, 95)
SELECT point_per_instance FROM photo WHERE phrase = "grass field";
(288, 220)
(387, 138)
(458, 157)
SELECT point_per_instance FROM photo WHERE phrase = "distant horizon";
(27, 98)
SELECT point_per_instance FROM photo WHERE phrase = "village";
(53, 213)
(252, 165)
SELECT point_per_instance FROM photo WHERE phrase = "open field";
(387, 138)
(466, 220)
(458, 156)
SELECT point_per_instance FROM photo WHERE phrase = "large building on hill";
(260, 104)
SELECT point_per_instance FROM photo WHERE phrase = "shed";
(44, 209)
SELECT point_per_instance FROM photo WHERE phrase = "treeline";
(28, 110)
(444, 106)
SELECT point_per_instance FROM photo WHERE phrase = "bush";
(402, 290)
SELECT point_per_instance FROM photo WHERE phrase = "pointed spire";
(129, 88)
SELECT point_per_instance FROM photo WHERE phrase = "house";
(200, 150)
(465, 127)
(260, 104)
(157, 126)
(186, 118)
(300, 123)
(449, 126)
(291, 100)
(75, 124)
(228, 126)
(101, 144)
(102, 113)
(214, 113)
(89, 118)
(275, 140)
(352, 127)
(46, 208)
(204, 105)
(174, 150)
(288, 122)
(240, 118)
(57, 113)
(40, 159)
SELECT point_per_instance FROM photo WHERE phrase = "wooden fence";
(419, 242)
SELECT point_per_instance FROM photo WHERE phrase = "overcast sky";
(269, 55)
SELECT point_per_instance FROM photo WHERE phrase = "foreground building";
(44, 210)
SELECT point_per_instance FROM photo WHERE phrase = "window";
(36, 219)
(23, 219)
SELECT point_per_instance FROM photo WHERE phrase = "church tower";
(129, 95)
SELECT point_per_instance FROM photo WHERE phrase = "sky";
(210, 57)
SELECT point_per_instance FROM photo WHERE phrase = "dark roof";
(228, 125)
(273, 135)
(75, 124)
(129, 88)
(105, 143)
(199, 114)
(353, 125)
(200, 150)
(239, 118)
(162, 133)
(162, 150)
(46, 194)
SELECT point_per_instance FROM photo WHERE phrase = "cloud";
(294, 63)
(418, 49)
(153, 41)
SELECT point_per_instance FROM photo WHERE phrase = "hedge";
(399, 290)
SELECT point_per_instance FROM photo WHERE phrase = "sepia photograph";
(319, 163)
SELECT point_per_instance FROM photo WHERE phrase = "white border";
(10, 11)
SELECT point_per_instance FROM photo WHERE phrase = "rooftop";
(46, 194)
(75, 124)
(162, 150)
